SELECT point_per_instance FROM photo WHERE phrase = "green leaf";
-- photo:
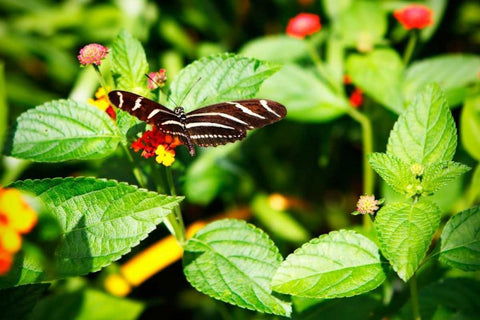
(278, 222)
(405, 231)
(363, 25)
(64, 130)
(460, 240)
(395, 173)
(305, 96)
(379, 73)
(18, 302)
(474, 190)
(276, 48)
(458, 296)
(339, 264)
(470, 127)
(426, 132)
(100, 220)
(3, 105)
(437, 175)
(233, 261)
(221, 77)
(85, 305)
(334, 8)
(452, 72)
(129, 64)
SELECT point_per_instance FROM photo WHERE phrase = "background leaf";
(234, 262)
(460, 240)
(470, 127)
(379, 73)
(395, 173)
(129, 64)
(426, 125)
(451, 72)
(439, 174)
(18, 302)
(85, 305)
(405, 231)
(3, 106)
(100, 220)
(305, 96)
(221, 77)
(64, 130)
(276, 48)
(339, 264)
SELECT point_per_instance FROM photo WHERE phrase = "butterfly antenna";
(190, 89)
(160, 88)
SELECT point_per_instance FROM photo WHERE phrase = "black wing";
(149, 111)
(228, 121)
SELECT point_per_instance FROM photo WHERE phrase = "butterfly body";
(212, 125)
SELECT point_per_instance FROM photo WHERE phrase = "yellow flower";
(101, 99)
(164, 156)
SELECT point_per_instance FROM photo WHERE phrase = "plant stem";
(414, 297)
(100, 77)
(321, 67)
(136, 170)
(367, 141)
(177, 220)
(412, 41)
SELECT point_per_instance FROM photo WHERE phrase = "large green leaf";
(100, 220)
(452, 73)
(217, 78)
(64, 130)
(276, 48)
(470, 127)
(129, 64)
(426, 132)
(340, 264)
(405, 231)
(460, 240)
(379, 74)
(18, 303)
(233, 261)
(304, 95)
(85, 305)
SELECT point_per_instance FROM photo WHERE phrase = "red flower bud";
(303, 24)
(414, 16)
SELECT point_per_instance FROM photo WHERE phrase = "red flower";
(92, 53)
(157, 79)
(156, 143)
(303, 24)
(356, 98)
(414, 16)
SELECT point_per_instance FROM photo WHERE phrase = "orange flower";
(356, 98)
(16, 218)
(414, 16)
(303, 24)
(92, 53)
(102, 102)
(154, 142)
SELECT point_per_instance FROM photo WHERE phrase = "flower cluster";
(157, 79)
(414, 16)
(102, 102)
(154, 142)
(92, 53)
(367, 204)
(16, 218)
(303, 24)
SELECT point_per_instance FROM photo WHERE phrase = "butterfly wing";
(228, 121)
(149, 111)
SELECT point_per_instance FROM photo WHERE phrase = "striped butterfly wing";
(228, 121)
(149, 111)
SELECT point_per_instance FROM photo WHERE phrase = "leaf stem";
(412, 42)
(321, 67)
(367, 141)
(176, 220)
(414, 297)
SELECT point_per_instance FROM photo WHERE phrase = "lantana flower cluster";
(16, 218)
(155, 143)
(102, 102)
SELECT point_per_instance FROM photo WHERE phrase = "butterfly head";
(180, 112)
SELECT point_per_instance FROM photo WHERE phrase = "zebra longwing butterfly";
(212, 125)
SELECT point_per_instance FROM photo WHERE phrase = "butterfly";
(212, 125)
